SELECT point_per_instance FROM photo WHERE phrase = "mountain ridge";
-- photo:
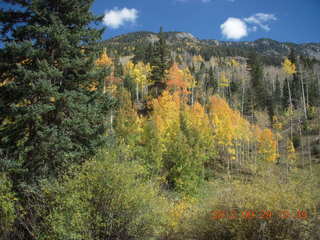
(177, 32)
(184, 41)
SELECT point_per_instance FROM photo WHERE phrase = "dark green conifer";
(255, 68)
(160, 62)
(49, 117)
(285, 94)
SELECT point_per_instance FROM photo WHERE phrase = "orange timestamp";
(251, 214)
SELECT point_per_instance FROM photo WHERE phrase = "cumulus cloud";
(261, 20)
(234, 28)
(117, 17)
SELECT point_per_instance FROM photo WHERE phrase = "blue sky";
(235, 20)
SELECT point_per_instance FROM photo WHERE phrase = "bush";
(315, 150)
(235, 200)
(296, 140)
(106, 200)
(7, 210)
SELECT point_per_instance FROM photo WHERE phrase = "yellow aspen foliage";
(178, 212)
(179, 58)
(267, 145)
(222, 121)
(166, 115)
(229, 127)
(128, 68)
(197, 59)
(234, 63)
(224, 81)
(290, 151)
(139, 72)
(188, 78)
(289, 112)
(23, 103)
(276, 123)
(128, 124)
(104, 59)
(197, 116)
(289, 67)
(5, 82)
(198, 120)
(93, 86)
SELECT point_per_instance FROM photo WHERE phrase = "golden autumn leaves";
(223, 128)
(288, 67)
(232, 130)
(218, 126)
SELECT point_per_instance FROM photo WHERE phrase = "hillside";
(153, 136)
(181, 42)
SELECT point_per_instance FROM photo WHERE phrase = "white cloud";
(234, 28)
(117, 17)
(261, 20)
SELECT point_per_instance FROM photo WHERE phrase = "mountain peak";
(181, 36)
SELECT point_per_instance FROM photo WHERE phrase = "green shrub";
(106, 200)
(296, 140)
(7, 210)
(236, 199)
(315, 150)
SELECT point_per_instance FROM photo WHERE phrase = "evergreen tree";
(210, 82)
(295, 83)
(118, 69)
(160, 63)
(202, 67)
(50, 117)
(139, 54)
(276, 98)
(296, 89)
(149, 54)
(249, 105)
(192, 69)
(255, 68)
(292, 56)
(314, 94)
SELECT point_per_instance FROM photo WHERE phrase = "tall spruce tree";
(160, 62)
(276, 96)
(50, 117)
(295, 85)
(255, 69)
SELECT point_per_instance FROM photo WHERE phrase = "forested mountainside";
(185, 43)
(153, 136)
